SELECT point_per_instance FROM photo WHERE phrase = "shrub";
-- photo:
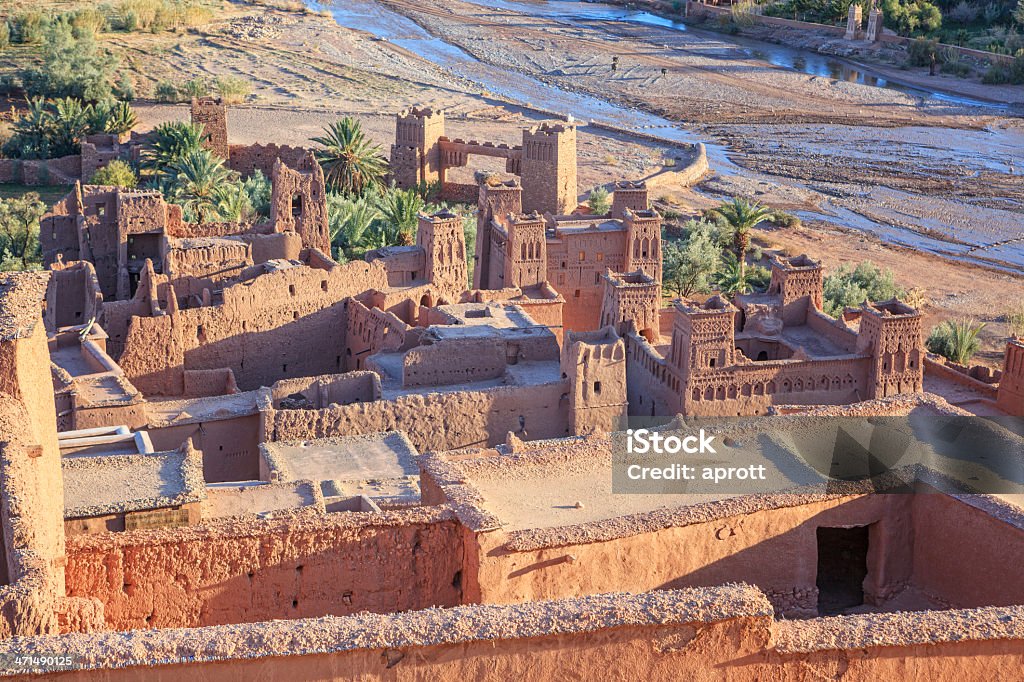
(999, 74)
(599, 201)
(166, 91)
(197, 87)
(921, 50)
(19, 232)
(783, 219)
(5, 35)
(957, 341)
(117, 173)
(71, 67)
(957, 69)
(688, 268)
(232, 89)
(851, 287)
(1015, 319)
(87, 22)
(29, 27)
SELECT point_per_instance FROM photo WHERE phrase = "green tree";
(32, 132)
(171, 142)
(956, 340)
(71, 66)
(741, 216)
(688, 267)
(1018, 14)
(849, 287)
(400, 209)
(117, 173)
(232, 203)
(349, 222)
(118, 118)
(599, 201)
(731, 278)
(257, 188)
(352, 164)
(194, 181)
(19, 232)
(71, 122)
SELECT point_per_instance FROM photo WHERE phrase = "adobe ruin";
(223, 449)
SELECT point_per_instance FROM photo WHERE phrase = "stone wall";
(301, 567)
(246, 159)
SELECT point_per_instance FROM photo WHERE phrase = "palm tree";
(195, 181)
(400, 209)
(120, 118)
(732, 278)
(742, 216)
(170, 143)
(70, 125)
(957, 340)
(352, 164)
(349, 221)
(233, 204)
(32, 131)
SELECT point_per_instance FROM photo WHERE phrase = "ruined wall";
(437, 421)
(73, 296)
(298, 202)
(212, 114)
(301, 567)
(229, 444)
(774, 549)
(246, 159)
(369, 331)
(65, 170)
(454, 361)
(281, 324)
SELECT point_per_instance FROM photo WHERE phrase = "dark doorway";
(842, 567)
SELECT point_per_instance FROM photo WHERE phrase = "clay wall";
(301, 567)
(321, 392)
(652, 386)
(548, 169)
(1010, 396)
(64, 170)
(369, 331)
(246, 159)
(454, 361)
(576, 263)
(280, 324)
(946, 532)
(774, 549)
(436, 421)
(215, 261)
(298, 202)
(830, 328)
(229, 445)
(73, 296)
(936, 366)
(212, 114)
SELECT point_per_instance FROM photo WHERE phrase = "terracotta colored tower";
(212, 113)
(548, 169)
(298, 202)
(798, 282)
(594, 363)
(643, 242)
(630, 303)
(496, 200)
(416, 155)
(891, 332)
(1010, 397)
(526, 254)
(444, 245)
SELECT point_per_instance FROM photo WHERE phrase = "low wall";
(61, 171)
(939, 369)
(301, 567)
(699, 634)
(436, 421)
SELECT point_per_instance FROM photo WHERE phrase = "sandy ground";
(947, 184)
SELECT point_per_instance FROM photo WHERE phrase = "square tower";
(444, 245)
(890, 332)
(548, 169)
(526, 253)
(1010, 395)
(798, 282)
(643, 242)
(212, 113)
(594, 365)
(630, 196)
(497, 200)
(631, 303)
(416, 154)
(703, 336)
(298, 202)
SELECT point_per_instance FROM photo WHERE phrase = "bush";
(851, 287)
(921, 50)
(599, 201)
(957, 341)
(166, 91)
(5, 35)
(957, 69)
(999, 74)
(117, 173)
(1015, 319)
(232, 89)
(197, 87)
(29, 27)
(87, 22)
(783, 219)
(71, 67)
(19, 232)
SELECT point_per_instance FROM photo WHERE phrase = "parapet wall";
(300, 567)
(436, 421)
(246, 159)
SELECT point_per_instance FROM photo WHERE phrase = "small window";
(600, 257)
(291, 289)
(583, 255)
(711, 363)
(323, 284)
(577, 294)
(597, 387)
(101, 210)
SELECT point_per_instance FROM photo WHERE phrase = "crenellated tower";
(444, 244)
(212, 113)
(703, 336)
(526, 254)
(497, 200)
(630, 303)
(631, 196)
(798, 281)
(643, 242)
(890, 332)
(416, 154)
(548, 169)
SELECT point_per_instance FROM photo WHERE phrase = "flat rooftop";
(481, 316)
(100, 486)
(379, 465)
(253, 497)
(568, 482)
(171, 412)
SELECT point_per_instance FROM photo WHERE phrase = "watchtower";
(594, 364)
(416, 154)
(798, 282)
(548, 169)
(212, 113)
(890, 332)
(630, 303)
(444, 244)
(643, 242)
(497, 200)
(526, 253)
(630, 196)
(1010, 395)
(703, 336)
